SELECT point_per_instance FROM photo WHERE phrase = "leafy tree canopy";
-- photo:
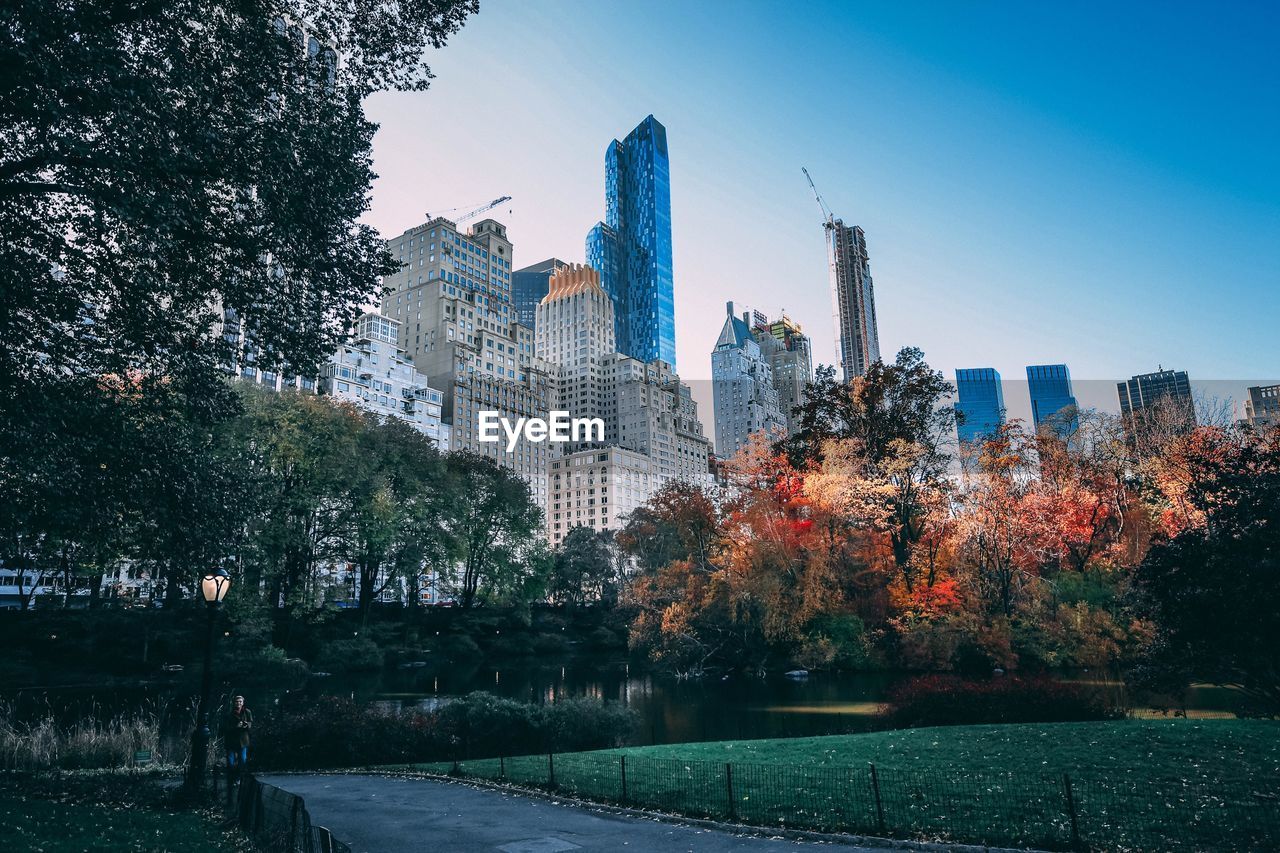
(163, 161)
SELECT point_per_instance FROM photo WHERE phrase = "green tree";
(390, 527)
(491, 518)
(304, 450)
(165, 161)
(585, 568)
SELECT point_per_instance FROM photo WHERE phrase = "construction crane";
(471, 214)
(828, 220)
(829, 231)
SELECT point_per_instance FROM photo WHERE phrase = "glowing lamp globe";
(214, 586)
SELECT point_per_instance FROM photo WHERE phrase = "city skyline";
(1048, 221)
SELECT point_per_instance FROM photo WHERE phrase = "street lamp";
(213, 587)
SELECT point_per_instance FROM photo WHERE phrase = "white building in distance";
(373, 373)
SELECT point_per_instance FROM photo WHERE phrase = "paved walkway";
(377, 814)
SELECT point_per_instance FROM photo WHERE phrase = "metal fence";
(277, 821)
(1013, 809)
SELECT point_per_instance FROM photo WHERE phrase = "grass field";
(50, 826)
(1135, 784)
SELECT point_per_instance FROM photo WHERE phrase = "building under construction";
(853, 299)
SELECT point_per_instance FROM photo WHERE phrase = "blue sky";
(1038, 182)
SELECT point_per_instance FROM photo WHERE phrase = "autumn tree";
(1212, 589)
(679, 522)
(1003, 525)
(896, 422)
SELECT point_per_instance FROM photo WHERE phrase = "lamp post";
(213, 587)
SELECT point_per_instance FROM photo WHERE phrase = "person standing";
(236, 724)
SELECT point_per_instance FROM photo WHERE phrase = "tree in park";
(895, 428)
(389, 509)
(303, 450)
(164, 161)
(166, 166)
(492, 519)
(1212, 590)
(1003, 525)
(679, 522)
(585, 568)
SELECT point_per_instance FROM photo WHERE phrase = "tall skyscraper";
(529, 285)
(790, 354)
(452, 298)
(980, 406)
(853, 298)
(1052, 404)
(574, 335)
(1157, 402)
(632, 246)
(742, 381)
(1263, 406)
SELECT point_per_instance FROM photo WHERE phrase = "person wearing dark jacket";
(236, 724)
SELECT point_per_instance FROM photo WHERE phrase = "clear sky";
(1070, 182)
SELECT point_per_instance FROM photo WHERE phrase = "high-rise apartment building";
(632, 246)
(372, 372)
(529, 285)
(1159, 402)
(649, 410)
(597, 488)
(1263, 406)
(790, 354)
(980, 407)
(452, 297)
(1053, 406)
(746, 401)
(853, 298)
(574, 337)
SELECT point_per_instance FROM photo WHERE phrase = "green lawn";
(1187, 751)
(1139, 784)
(51, 826)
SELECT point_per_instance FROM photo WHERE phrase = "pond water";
(670, 710)
(675, 711)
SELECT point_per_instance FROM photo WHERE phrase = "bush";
(355, 655)
(837, 641)
(943, 700)
(338, 732)
(483, 724)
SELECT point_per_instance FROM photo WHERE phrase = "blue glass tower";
(632, 247)
(1052, 404)
(981, 403)
(529, 285)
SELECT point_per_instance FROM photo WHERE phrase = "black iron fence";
(277, 821)
(1013, 809)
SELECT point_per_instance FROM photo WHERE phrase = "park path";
(380, 814)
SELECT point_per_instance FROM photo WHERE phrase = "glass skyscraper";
(1052, 404)
(529, 285)
(980, 408)
(632, 247)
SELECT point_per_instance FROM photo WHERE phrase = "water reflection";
(670, 710)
